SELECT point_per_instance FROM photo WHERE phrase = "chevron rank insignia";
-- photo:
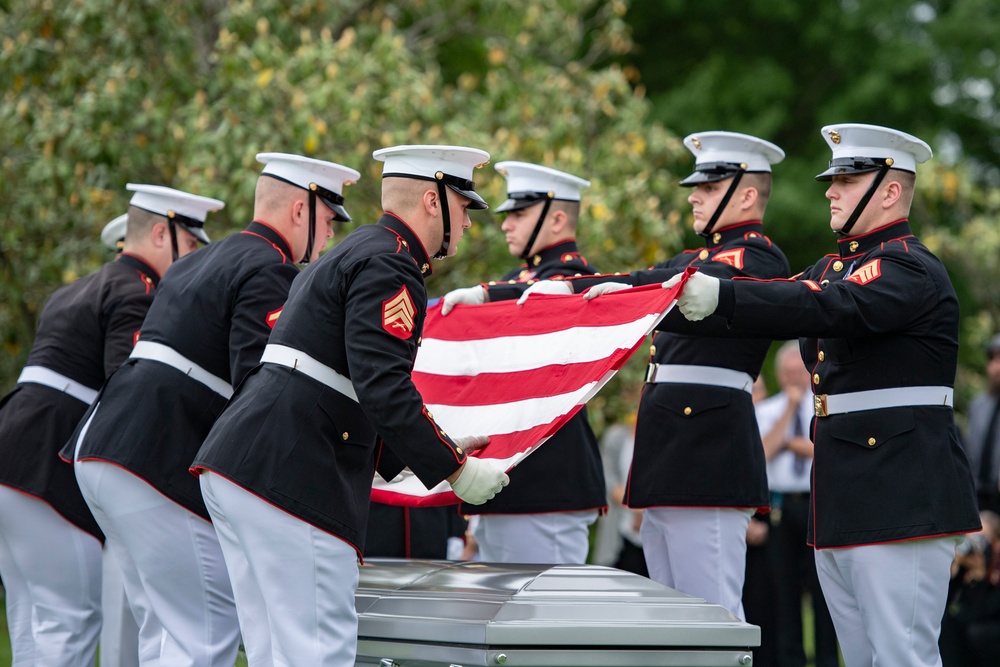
(866, 273)
(731, 257)
(398, 314)
(272, 317)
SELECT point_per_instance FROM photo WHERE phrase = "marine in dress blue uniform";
(558, 491)
(204, 332)
(698, 469)
(287, 469)
(878, 328)
(50, 545)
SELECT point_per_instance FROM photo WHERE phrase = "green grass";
(809, 632)
(5, 657)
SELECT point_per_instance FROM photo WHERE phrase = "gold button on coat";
(838, 265)
(816, 378)
(871, 442)
(821, 355)
(344, 436)
(703, 254)
(652, 349)
(687, 411)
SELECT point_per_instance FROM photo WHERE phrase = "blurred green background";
(98, 93)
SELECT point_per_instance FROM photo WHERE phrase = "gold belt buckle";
(819, 405)
(651, 372)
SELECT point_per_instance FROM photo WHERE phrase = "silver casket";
(459, 614)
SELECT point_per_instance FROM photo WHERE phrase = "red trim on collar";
(742, 223)
(280, 235)
(415, 235)
(554, 245)
(144, 261)
(875, 231)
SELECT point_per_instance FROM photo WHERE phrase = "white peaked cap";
(854, 145)
(306, 171)
(169, 202)
(114, 232)
(734, 148)
(525, 178)
(426, 161)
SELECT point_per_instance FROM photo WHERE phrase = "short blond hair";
(140, 223)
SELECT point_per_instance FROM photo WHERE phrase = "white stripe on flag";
(512, 417)
(508, 354)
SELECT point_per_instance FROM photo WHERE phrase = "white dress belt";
(57, 381)
(165, 354)
(711, 375)
(896, 397)
(302, 362)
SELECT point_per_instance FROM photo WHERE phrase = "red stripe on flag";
(493, 388)
(544, 313)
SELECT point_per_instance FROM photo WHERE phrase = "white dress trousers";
(119, 633)
(172, 566)
(556, 538)
(294, 584)
(700, 551)
(52, 574)
(887, 600)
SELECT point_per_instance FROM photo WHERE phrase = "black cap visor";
(333, 200)
(518, 200)
(711, 172)
(478, 203)
(336, 206)
(842, 166)
(193, 226)
(196, 232)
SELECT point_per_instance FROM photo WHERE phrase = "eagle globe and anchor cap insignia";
(398, 314)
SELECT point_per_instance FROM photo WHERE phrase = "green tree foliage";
(98, 93)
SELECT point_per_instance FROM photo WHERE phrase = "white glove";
(604, 288)
(474, 295)
(673, 281)
(546, 287)
(472, 443)
(479, 481)
(700, 297)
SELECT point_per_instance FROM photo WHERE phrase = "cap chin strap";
(172, 226)
(312, 225)
(883, 170)
(445, 216)
(725, 202)
(549, 197)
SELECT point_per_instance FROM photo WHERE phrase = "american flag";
(518, 373)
